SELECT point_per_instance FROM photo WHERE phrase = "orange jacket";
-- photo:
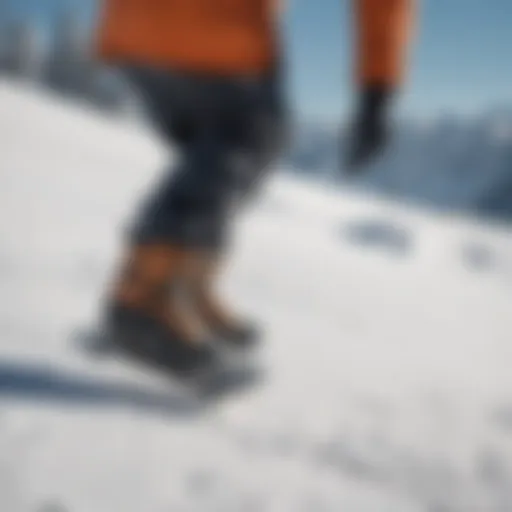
(239, 36)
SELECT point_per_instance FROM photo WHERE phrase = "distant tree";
(112, 92)
(72, 69)
(3, 44)
(69, 67)
(22, 50)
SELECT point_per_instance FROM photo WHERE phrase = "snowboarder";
(210, 72)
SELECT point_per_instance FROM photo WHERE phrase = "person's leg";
(226, 130)
(187, 206)
(254, 133)
(144, 303)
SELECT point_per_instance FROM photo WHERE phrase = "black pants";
(227, 132)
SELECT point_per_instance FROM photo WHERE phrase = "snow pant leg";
(190, 206)
(226, 134)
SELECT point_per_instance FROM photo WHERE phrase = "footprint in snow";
(379, 234)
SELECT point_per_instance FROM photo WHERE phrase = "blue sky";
(461, 58)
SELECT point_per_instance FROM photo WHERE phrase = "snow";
(388, 345)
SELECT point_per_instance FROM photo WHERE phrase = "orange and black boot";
(147, 318)
(224, 326)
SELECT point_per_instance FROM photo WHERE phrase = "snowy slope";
(388, 346)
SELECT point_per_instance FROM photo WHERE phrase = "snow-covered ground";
(388, 347)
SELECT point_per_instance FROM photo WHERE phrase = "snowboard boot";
(225, 327)
(147, 318)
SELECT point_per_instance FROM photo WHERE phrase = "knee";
(198, 185)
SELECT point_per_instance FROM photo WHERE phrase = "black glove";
(370, 131)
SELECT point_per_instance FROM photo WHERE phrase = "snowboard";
(233, 373)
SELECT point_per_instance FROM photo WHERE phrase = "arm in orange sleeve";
(383, 33)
